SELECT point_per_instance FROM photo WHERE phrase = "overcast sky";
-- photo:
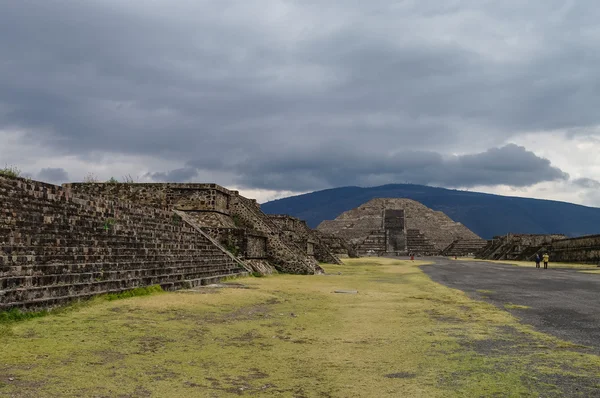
(275, 97)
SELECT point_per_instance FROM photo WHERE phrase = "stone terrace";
(56, 247)
(217, 211)
(426, 231)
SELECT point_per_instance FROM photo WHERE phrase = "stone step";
(114, 255)
(14, 282)
(98, 287)
(213, 279)
(142, 263)
(50, 302)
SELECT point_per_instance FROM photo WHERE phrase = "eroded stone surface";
(395, 226)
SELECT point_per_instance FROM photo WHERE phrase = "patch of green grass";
(139, 291)
(17, 315)
(510, 306)
(290, 335)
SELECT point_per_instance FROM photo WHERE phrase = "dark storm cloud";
(301, 94)
(177, 175)
(509, 165)
(56, 175)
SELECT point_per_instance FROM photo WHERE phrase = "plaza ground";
(401, 334)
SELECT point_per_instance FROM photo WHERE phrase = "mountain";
(485, 214)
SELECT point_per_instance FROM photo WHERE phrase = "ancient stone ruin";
(523, 247)
(401, 226)
(297, 231)
(234, 221)
(516, 246)
(81, 240)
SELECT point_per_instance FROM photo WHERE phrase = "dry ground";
(291, 336)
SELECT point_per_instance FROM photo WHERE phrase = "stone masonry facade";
(234, 221)
(58, 245)
(300, 233)
(583, 249)
(397, 226)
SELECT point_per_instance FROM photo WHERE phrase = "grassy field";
(292, 336)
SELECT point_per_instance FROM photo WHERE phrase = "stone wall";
(395, 232)
(245, 244)
(585, 249)
(300, 233)
(517, 246)
(211, 207)
(167, 196)
(57, 246)
(285, 255)
(464, 247)
(336, 245)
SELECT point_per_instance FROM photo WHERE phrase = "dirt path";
(562, 302)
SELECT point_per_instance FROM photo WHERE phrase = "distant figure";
(537, 260)
(546, 259)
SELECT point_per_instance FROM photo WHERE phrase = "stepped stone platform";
(234, 222)
(56, 247)
(59, 244)
(338, 246)
(583, 249)
(517, 246)
(464, 247)
(396, 226)
(298, 231)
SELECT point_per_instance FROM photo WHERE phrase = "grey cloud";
(56, 175)
(509, 165)
(586, 183)
(178, 175)
(308, 95)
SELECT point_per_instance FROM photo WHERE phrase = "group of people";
(545, 257)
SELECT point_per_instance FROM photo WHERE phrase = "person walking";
(537, 260)
(546, 259)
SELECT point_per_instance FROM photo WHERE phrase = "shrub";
(10, 171)
(90, 178)
(128, 179)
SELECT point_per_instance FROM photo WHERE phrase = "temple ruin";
(79, 240)
(400, 226)
(523, 247)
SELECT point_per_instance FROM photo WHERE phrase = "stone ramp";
(285, 255)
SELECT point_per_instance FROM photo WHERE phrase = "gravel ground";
(563, 302)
